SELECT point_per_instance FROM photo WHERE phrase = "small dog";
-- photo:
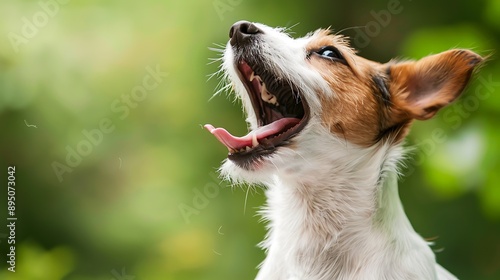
(326, 133)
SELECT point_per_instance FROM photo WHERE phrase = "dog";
(326, 139)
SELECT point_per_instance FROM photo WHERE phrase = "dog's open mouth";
(281, 113)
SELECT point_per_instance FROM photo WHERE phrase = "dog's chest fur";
(336, 229)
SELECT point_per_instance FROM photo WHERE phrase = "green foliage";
(142, 197)
(35, 263)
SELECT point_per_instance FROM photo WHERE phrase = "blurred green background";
(118, 90)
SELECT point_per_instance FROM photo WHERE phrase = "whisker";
(349, 28)
(246, 199)
(288, 29)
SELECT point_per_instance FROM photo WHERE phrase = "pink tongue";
(237, 143)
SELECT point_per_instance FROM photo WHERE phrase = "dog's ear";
(420, 88)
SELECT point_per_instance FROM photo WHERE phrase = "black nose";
(242, 31)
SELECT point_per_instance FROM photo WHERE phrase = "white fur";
(333, 207)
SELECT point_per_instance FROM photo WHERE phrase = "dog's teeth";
(261, 82)
(268, 97)
(255, 142)
(248, 149)
(252, 76)
(273, 100)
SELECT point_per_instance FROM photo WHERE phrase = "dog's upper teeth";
(268, 97)
(258, 78)
(252, 76)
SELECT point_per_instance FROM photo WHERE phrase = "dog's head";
(313, 99)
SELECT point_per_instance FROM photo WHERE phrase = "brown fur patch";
(353, 111)
(360, 111)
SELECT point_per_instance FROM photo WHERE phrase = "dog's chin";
(290, 162)
(259, 172)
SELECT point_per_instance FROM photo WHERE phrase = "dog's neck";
(348, 222)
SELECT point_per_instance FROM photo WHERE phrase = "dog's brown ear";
(420, 88)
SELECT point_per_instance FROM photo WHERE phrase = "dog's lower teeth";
(255, 142)
(252, 76)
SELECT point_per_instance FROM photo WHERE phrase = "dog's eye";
(330, 52)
